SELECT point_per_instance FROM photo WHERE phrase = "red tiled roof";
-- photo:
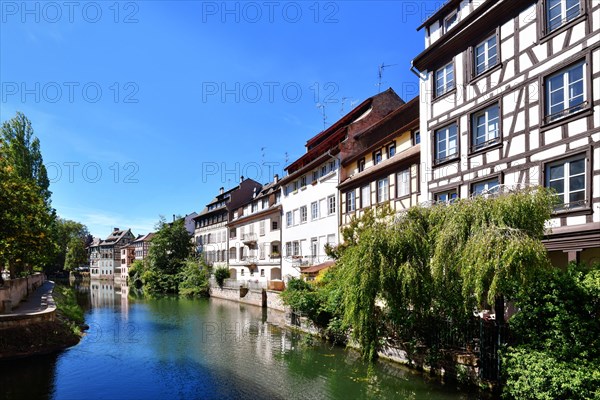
(317, 268)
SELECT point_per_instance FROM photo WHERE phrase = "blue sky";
(147, 108)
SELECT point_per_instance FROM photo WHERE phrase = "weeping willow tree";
(442, 261)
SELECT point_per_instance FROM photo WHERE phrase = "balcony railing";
(249, 238)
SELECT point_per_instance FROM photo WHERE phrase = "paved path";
(36, 301)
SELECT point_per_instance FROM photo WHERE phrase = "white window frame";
(491, 132)
(444, 135)
(403, 182)
(383, 189)
(314, 210)
(565, 91)
(303, 214)
(488, 188)
(449, 23)
(441, 76)
(288, 218)
(365, 198)
(331, 205)
(351, 201)
(566, 179)
(489, 60)
(447, 196)
(563, 16)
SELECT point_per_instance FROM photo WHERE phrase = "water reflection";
(180, 348)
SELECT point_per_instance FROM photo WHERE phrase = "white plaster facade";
(310, 206)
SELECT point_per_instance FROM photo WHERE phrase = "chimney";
(241, 178)
(276, 178)
(115, 229)
(221, 190)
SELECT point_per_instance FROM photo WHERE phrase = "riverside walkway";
(37, 301)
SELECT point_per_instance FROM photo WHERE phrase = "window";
(567, 178)
(288, 218)
(361, 165)
(485, 187)
(403, 182)
(391, 150)
(261, 227)
(447, 197)
(274, 225)
(331, 166)
(565, 92)
(486, 55)
(296, 246)
(331, 205)
(365, 196)
(274, 250)
(450, 21)
(350, 201)
(288, 249)
(315, 176)
(383, 190)
(446, 143)
(324, 170)
(262, 272)
(559, 12)
(303, 214)
(416, 137)
(485, 129)
(255, 206)
(314, 210)
(444, 79)
(303, 181)
(377, 157)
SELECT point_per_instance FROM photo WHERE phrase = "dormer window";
(361, 165)
(377, 157)
(450, 21)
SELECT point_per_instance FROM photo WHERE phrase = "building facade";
(105, 255)
(255, 237)
(510, 97)
(380, 165)
(211, 234)
(310, 202)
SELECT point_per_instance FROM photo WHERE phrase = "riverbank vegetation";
(416, 280)
(171, 267)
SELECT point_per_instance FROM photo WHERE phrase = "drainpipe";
(416, 72)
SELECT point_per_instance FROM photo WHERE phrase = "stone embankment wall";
(15, 290)
(242, 295)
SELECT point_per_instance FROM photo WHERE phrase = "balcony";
(249, 238)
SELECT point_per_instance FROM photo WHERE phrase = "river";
(169, 348)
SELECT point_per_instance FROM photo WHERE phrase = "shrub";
(221, 274)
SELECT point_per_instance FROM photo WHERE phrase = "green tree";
(442, 261)
(76, 254)
(194, 279)
(171, 247)
(26, 216)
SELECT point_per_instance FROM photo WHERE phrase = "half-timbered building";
(510, 96)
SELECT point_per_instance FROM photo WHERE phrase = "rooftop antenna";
(322, 107)
(286, 158)
(262, 154)
(380, 74)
